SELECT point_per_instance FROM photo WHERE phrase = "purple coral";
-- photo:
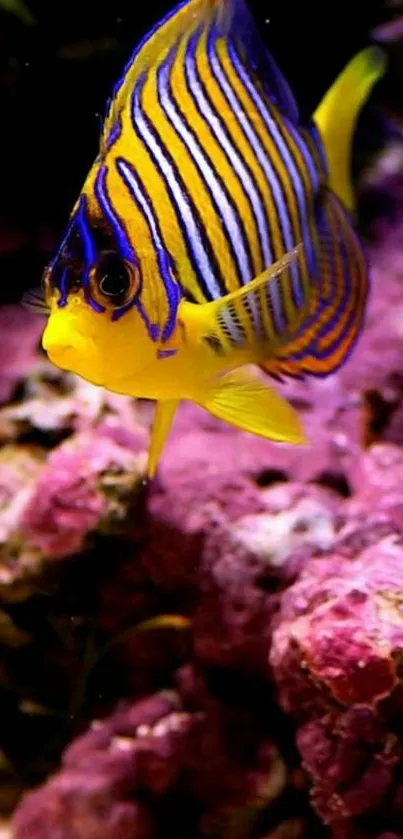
(118, 775)
(72, 498)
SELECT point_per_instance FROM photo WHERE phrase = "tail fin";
(337, 115)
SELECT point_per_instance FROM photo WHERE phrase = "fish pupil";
(114, 277)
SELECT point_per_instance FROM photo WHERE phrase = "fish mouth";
(71, 351)
(66, 359)
(62, 357)
(81, 358)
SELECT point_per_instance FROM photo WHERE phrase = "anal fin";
(246, 402)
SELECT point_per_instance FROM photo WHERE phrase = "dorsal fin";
(234, 21)
(186, 17)
(278, 88)
(243, 31)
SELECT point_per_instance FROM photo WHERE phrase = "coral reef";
(336, 658)
(219, 653)
(121, 776)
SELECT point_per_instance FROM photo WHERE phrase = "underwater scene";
(201, 420)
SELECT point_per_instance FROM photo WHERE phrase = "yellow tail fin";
(337, 115)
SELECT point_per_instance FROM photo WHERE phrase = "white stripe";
(292, 128)
(229, 217)
(274, 131)
(232, 154)
(281, 144)
(272, 179)
(184, 211)
(306, 154)
(141, 201)
(240, 169)
(270, 175)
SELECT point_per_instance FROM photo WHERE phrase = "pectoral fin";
(263, 279)
(247, 403)
(217, 320)
(164, 414)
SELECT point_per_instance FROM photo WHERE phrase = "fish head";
(97, 326)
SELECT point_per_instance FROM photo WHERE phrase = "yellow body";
(120, 355)
(114, 367)
(77, 340)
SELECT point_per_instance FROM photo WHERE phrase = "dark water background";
(56, 75)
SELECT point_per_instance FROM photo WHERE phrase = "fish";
(215, 231)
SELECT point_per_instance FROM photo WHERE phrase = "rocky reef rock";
(218, 653)
(155, 760)
(336, 655)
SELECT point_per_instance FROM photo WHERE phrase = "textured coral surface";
(219, 653)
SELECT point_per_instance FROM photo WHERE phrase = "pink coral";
(243, 562)
(352, 758)
(19, 337)
(19, 469)
(57, 404)
(216, 527)
(336, 659)
(376, 478)
(72, 497)
(288, 562)
(102, 771)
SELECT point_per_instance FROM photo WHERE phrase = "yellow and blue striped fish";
(213, 230)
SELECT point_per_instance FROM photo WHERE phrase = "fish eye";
(114, 282)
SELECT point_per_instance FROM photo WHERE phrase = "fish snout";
(54, 343)
(62, 344)
(58, 353)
